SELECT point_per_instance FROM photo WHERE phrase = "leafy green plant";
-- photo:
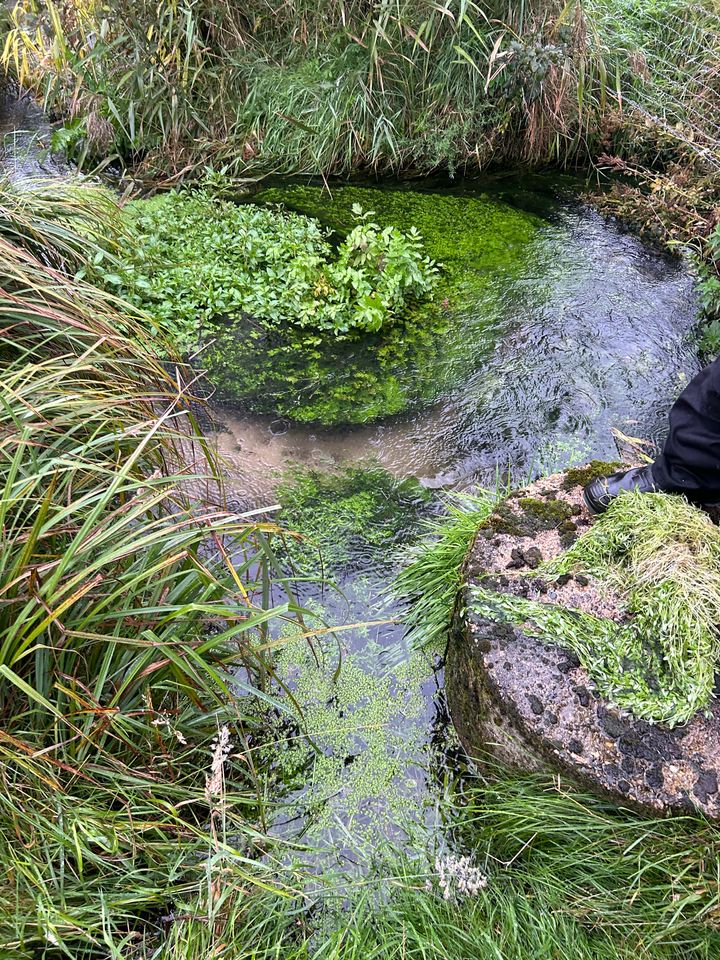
(240, 263)
(709, 287)
(709, 342)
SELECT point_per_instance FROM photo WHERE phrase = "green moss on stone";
(582, 476)
(546, 513)
(534, 515)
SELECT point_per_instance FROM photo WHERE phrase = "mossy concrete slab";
(530, 705)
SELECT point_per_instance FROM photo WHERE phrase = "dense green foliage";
(662, 556)
(287, 322)
(476, 238)
(482, 244)
(123, 619)
(327, 87)
(293, 325)
(200, 264)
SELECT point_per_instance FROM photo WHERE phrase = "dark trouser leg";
(690, 461)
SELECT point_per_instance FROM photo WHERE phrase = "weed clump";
(285, 320)
(662, 556)
(345, 517)
(430, 581)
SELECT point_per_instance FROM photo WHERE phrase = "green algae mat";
(329, 309)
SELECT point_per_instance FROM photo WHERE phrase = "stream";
(580, 329)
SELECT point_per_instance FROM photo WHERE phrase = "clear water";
(595, 333)
(25, 138)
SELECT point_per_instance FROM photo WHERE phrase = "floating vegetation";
(284, 320)
(357, 752)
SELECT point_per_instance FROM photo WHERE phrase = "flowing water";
(569, 329)
(591, 332)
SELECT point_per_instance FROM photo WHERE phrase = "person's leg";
(690, 460)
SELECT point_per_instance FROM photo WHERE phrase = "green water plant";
(286, 321)
(661, 556)
(345, 516)
(274, 270)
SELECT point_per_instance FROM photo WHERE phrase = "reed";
(132, 601)
(322, 89)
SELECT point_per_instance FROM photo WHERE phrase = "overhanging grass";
(431, 578)
(131, 602)
(322, 88)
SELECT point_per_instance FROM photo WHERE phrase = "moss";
(660, 558)
(346, 516)
(582, 476)
(534, 515)
(546, 513)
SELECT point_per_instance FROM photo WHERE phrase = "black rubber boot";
(601, 492)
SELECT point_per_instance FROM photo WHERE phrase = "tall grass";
(131, 600)
(322, 88)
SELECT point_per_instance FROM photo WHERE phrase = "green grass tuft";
(430, 581)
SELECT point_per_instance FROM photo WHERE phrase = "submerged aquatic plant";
(285, 321)
(346, 516)
(662, 556)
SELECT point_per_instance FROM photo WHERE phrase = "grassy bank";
(325, 88)
(171, 89)
(342, 85)
(131, 600)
